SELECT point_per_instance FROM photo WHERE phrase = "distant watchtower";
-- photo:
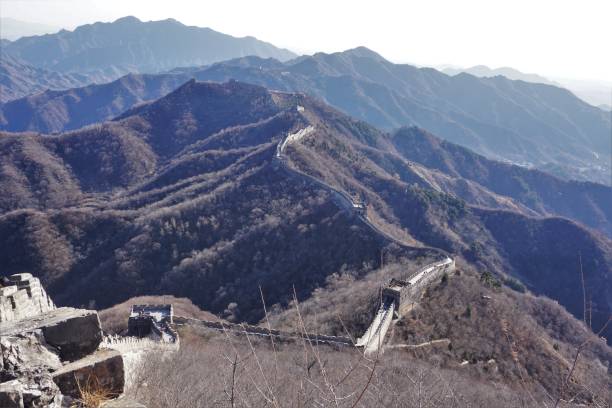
(149, 320)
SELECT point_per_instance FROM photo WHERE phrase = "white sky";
(562, 38)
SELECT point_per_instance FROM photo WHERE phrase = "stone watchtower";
(150, 320)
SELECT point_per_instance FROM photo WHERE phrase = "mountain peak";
(127, 20)
(363, 52)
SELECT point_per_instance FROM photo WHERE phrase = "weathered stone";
(40, 391)
(22, 296)
(26, 365)
(74, 332)
(37, 391)
(34, 339)
(102, 370)
(24, 352)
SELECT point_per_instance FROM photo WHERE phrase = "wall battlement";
(126, 344)
(22, 296)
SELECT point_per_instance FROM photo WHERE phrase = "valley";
(190, 218)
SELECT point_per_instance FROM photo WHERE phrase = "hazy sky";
(563, 38)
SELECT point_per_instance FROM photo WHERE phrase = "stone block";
(102, 370)
(75, 336)
(8, 290)
(74, 332)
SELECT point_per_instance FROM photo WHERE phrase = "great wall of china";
(398, 296)
(71, 347)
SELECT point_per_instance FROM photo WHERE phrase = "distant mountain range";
(485, 72)
(18, 79)
(58, 110)
(535, 192)
(596, 93)
(130, 45)
(12, 29)
(533, 125)
(184, 195)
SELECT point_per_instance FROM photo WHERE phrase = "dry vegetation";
(498, 348)
(93, 394)
(223, 370)
(511, 337)
(213, 370)
(480, 327)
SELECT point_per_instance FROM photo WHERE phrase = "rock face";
(25, 372)
(102, 370)
(25, 350)
(35, 392)
(11, 395)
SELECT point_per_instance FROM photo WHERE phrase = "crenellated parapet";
(22, 296)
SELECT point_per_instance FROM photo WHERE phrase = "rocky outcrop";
(25, 350)
(25, 371)
(36, 391)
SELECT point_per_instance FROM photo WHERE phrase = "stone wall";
(23, 296)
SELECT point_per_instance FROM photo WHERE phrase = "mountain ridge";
(533, 125)
(163, 45)
(182, 196)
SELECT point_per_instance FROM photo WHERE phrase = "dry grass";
(212, 370)
(93, 394)
(519, 350)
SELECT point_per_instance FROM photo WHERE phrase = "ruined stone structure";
(21, 296)
(48, 353)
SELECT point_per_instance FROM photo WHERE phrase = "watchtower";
(147, 320)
